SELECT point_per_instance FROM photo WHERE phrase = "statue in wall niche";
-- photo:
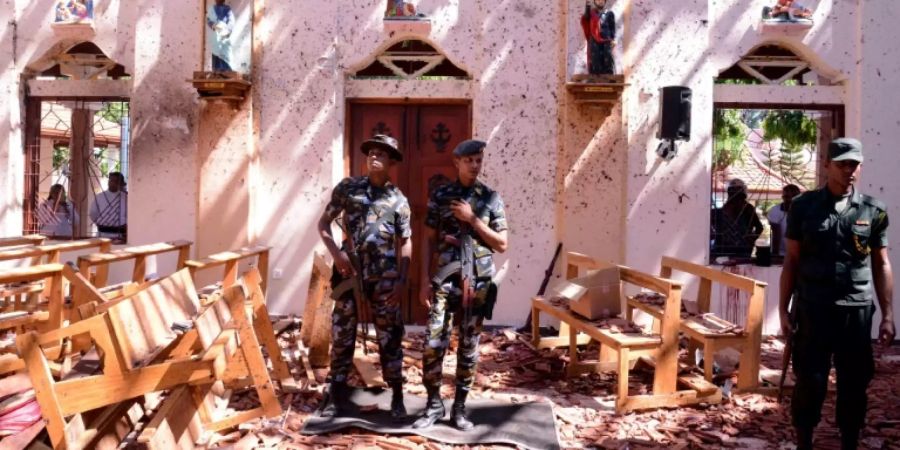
(73, 11)
(220, 24)
(599, 25)
(787, 11)
(401, 9)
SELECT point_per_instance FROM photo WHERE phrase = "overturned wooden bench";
(255, 281)
(620, 350)
(711, 332)
(159, 339)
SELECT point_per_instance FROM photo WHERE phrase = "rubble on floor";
(511, 369)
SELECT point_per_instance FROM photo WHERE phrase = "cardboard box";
(593, 293)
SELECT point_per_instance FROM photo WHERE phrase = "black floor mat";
(523, 425)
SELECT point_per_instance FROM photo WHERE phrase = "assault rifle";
(547, 275)
(356, 282)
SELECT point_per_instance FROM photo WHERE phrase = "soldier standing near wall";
(466, 223)
(376, 224)
(831, 234)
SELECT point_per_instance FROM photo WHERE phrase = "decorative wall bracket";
(229, 87)
(598, 91)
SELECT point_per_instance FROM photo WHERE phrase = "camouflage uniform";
(488, 207)
(366, 207)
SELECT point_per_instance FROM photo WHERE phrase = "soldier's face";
(378, 160)
(469, 167)
(843, 173)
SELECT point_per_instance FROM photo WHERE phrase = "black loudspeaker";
(675, 113)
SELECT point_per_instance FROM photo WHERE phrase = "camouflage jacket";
(375, 217)
(487, 206)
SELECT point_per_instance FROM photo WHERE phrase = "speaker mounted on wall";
(675, 119)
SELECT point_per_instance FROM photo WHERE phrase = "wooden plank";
(664, 377)
(125, 254)
(748, 377)
(28, 239)
(673, 400)
(42, 380)
(250, 347)
(174, 423)
(26, 274)
(222, 258)
(262, 324)
(716, 276)
(370, 376)
(316, 329)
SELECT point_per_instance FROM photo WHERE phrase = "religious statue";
(787, 11)
(220, 24)
(74, 11)
(401, 9)
(599, 25)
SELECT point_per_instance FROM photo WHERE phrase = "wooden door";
(427, 133)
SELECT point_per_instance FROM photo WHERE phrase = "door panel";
(427, 135)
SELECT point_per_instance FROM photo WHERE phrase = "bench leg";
(622, 382)
(572, 369)
(535, 327)
(709, 358)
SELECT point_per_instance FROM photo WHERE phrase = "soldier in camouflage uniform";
(464, 206)
(377, 216)
(836, 253)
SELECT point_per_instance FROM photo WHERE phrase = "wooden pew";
(15, 241)
(41, 313)
(138, 254)
(142, 354)
(230, 260)
(620, 350)
(713, 333)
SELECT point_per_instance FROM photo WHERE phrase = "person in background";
(110, 209)
(777, 217)
(57, 215)
(735, 225)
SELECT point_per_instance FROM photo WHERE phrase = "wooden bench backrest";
(230, 261)
(138, 254)
(708, 276)
(15, 241)
(143, 322)
(576, 262)
(52, 252)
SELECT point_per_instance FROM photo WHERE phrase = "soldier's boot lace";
(337, 402)
(434, 409)
(398, 410)
(458, 416)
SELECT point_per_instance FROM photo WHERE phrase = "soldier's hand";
(426, 294)
(787, 329)
(393, 297)
(462, 211)
(886, 332)
(342, 264)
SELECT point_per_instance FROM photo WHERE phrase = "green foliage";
(796, 132)
(114, 111)
(729, 134)
(60, 156)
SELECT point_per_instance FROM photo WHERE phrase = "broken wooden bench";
(713, 333)
(159, 339)
(620, 350)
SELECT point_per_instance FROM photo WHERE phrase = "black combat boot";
(434, 409)
(337, 401)
(804, 438)
(849, 439)
(398, 410)
(458, 413)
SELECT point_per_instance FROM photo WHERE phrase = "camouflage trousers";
(446, 304)
(389, 332)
